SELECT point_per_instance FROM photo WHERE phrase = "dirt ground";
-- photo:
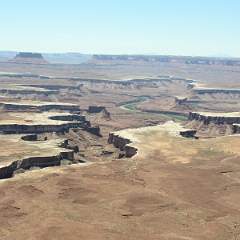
(173, 189)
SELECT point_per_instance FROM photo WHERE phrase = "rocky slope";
(123, 144)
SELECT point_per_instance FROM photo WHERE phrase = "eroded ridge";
(25, 105)
(128, 141)
(42, 122)
(18, 155)
(46, 144)
(230, 120)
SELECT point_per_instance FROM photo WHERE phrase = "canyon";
(119, 147)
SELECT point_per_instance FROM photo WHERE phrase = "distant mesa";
(29, 58)
(169, 59)
(29, 55)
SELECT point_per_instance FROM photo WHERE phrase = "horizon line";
(123, 54)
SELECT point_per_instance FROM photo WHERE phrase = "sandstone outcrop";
(65, 144)
(122, 144)
(30, 137)
(34, 137)
(20, 128)
(63, 152)
(216, 119)
(30, 162)
(70, 117)
(99, 109)
(96, 109)
(94, 130)
(216, 90)
(44, 107)
(152, 82)
(55, 87)
(188, 133)
(61, 123)
(27, 91)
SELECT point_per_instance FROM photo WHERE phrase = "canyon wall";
(20, 128)
(122, 144)
(41, 161)
(216, 90)
(42, 108)
(27, 91)
(213, 119)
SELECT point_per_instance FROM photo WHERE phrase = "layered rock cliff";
(20, 128)
(62, 123)
(217, 119)
(30, 162)
(45, 107)
(123, 144)
(28, 91)
(216, 90)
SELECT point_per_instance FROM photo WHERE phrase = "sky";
(174, 27)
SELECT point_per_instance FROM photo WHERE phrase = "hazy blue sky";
(185, 27)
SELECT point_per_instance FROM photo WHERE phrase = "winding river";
(132, 106)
